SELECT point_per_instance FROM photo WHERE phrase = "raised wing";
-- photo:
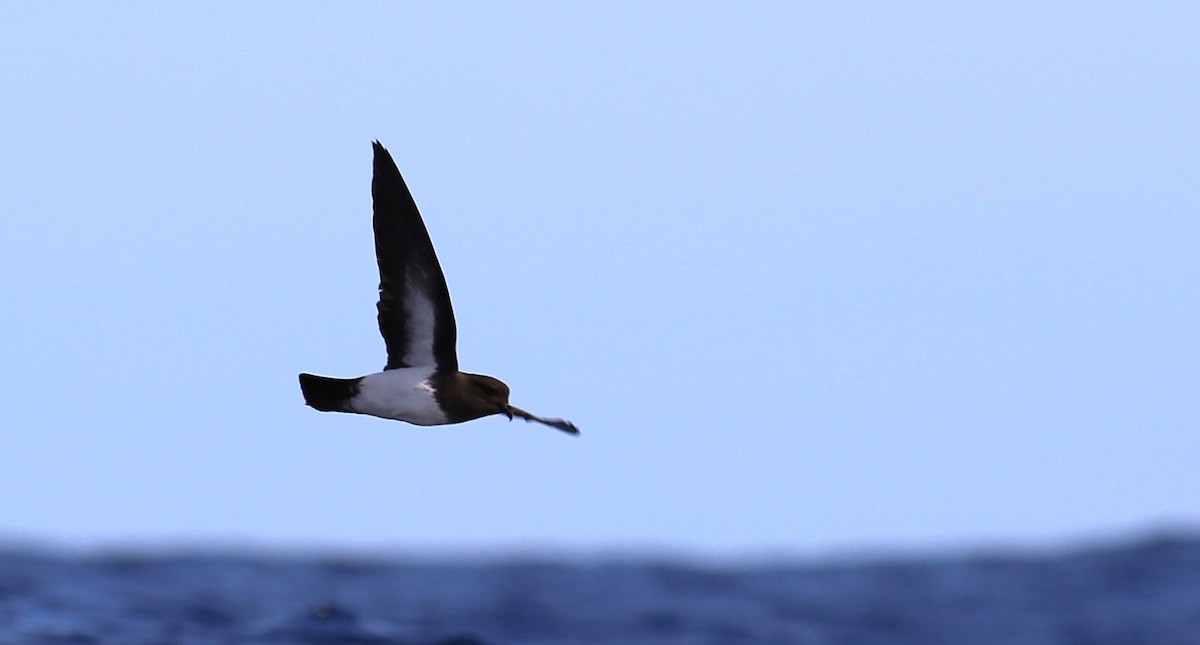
(415, 316)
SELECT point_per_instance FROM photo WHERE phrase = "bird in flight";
(421, 383)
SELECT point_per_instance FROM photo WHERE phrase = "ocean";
(1141, 592)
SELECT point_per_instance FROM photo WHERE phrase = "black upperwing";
(415, 316)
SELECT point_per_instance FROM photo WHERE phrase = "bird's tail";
(328, 394)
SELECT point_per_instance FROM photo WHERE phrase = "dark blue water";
(1147, 592)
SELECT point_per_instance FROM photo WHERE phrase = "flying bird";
(421, 383)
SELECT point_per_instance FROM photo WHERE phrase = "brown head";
(470, 396)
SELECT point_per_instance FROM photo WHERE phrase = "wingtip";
(382, 156)
(561, 424)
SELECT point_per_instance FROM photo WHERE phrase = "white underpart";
(403, 394)
(421, 323)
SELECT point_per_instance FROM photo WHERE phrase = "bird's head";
(490, 394)
(486, 395)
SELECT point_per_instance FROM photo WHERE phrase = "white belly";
(403, 394)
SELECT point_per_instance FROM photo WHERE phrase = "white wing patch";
(421, 323)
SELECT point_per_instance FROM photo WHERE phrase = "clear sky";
(807, 276)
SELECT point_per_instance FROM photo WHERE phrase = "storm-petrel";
(421, 383)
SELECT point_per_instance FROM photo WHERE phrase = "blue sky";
(807, 276)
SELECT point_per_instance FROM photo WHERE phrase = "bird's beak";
(508, 412)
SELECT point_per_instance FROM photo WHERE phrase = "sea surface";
(1143, 592)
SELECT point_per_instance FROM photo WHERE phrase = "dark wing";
(415, 316)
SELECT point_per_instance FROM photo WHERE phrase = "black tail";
(328, 394)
